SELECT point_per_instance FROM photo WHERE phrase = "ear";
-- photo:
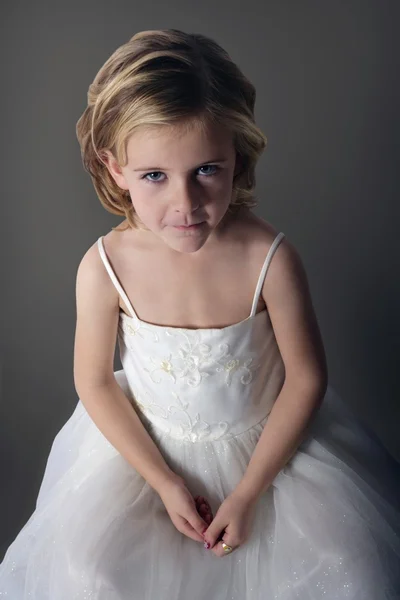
(114, 169)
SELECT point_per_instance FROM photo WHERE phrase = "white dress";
(326, 529)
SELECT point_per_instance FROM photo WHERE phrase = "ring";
(226, 548)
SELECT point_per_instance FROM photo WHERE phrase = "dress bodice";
(201, 384)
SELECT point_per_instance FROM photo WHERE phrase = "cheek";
(149, 211)
(219, 191)
(223, 189)
(140, 205)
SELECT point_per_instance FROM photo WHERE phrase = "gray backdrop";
(328, 99)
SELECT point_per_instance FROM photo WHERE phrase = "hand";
(184, 511)
(232, 522)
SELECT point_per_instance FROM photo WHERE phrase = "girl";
(218, 463)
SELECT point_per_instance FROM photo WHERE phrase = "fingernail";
(207, 545)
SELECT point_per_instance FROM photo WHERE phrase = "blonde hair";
(167, 77)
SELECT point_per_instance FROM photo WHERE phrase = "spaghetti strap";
(113, 277)
(264, 269)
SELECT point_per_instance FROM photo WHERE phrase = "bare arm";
(106, 403)
(286, 293)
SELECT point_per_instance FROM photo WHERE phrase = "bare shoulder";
(93, 279)
(259, 235)
(286, 293)
(97, 315)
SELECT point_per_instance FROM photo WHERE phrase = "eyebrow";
(216, 160)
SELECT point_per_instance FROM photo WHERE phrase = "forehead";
(184, 143)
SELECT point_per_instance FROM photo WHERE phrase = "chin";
(186, 244)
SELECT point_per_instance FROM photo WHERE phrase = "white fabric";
(326, 529)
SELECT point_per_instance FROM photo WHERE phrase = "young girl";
(218, 463)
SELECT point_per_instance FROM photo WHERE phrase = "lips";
(187, 227)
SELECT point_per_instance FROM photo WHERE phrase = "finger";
(219, 549)
(187, 529)
(215, 531)
(191, 533)
(197, 522)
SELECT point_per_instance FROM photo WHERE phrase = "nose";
(185, 201)
(187, 207)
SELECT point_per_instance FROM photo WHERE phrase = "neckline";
(123, 315)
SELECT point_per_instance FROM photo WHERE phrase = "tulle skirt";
(327, 528)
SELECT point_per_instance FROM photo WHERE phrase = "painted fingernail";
(207, 545)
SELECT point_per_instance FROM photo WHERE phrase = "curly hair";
(164, 77)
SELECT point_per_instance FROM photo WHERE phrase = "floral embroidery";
(234, 364)
(191, 429)
(136, 328)
(161, 360)
(194, 361)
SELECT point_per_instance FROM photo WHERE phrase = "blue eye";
(216, 167)
(150, 180)
(145, 177)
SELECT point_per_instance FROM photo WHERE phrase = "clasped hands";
(193, 516)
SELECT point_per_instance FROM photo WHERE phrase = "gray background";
(327, 99)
